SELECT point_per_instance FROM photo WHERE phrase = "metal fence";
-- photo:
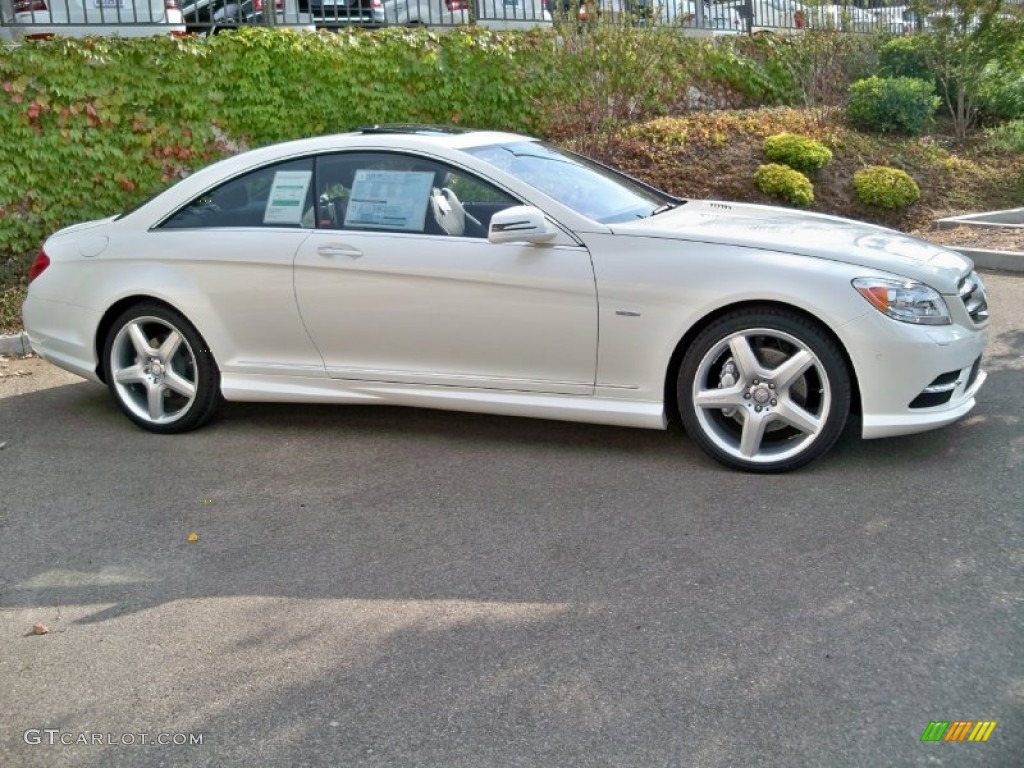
(43, 18)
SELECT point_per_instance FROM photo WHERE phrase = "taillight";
(377, 5)
(456, 5)
(171, 5)
(29, 6)
(258, 5)
(38, 266)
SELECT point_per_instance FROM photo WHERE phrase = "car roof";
(410, 136)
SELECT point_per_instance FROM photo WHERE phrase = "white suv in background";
(85, 18)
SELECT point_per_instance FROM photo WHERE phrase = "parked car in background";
(495, 14)
(334, 14)
(774, 14)
(846, 18)
(208, 17)
(84, 18)
(896, 19)
(511, 14)
(689, 14)
(490, 272)
(683, 13)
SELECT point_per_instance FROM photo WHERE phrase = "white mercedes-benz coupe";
(491, 272)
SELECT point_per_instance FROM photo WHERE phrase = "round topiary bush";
(797, 152)
(892, 105)
(906, 57)
(784, 183)
(885, 187)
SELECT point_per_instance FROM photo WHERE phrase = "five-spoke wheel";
(159, 370)
(764, 390)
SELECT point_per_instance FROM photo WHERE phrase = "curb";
(1009, 261)
(15, 345)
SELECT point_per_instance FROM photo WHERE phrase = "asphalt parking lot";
(388, 587)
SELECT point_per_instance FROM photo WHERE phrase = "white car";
(773, 15)
(84, 18)
(846, 18)
(210, 17)
(897, 19)
(684, 13)
(490, 272)
(495, 14)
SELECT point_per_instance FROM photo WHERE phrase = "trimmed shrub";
(885, 187)
(667, 133)
(892, 105)
(784, 183)
(797, 152)
(906, 57)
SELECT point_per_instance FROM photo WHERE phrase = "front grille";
(972, 293)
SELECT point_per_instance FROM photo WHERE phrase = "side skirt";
(253, 388)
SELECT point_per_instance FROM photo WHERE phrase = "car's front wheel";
(159, 370)
(764, 390)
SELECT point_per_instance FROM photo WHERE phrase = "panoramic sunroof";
(414, 128)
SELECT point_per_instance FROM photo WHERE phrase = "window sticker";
(389, 200)
(287, 195)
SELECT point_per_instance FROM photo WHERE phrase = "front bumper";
(898, 366)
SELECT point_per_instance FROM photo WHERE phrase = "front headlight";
(904, 300)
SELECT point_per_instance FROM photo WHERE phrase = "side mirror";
(520, 224)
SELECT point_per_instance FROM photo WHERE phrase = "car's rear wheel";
(160, 371)
(764, 390)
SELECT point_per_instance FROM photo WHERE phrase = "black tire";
(163, 384)
(779, 407)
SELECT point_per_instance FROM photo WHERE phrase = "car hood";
(806, 234)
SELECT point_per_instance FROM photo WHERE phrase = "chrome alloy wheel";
(761, 395)
(153, 370)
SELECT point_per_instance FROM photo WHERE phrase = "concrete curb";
(1010, 261)
(15, 345)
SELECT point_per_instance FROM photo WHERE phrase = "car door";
(232, 249)
(400, 284)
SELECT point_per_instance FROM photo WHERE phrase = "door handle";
(339, 249)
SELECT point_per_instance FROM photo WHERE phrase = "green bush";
(885, 187)
(784, 183)
(902, 105)
(906, 57)
(799, 152)
(1001, 93)
(741, 71)
(1008, 137)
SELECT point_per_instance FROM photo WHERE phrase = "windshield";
(587, 187)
